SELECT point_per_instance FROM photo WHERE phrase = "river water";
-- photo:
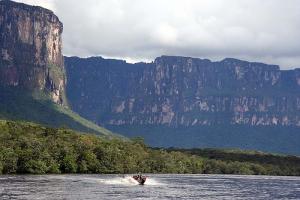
(72, 187)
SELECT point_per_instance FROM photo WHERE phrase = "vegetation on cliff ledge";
(34, 149)
(17, 104)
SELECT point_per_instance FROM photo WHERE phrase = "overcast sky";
(140, 30)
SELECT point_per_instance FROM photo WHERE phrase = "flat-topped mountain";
(190, 102)
(172, 101)
(182, 91)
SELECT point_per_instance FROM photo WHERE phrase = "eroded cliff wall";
(181, 91)
(31, 49)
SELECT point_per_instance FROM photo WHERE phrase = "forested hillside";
(31, 148)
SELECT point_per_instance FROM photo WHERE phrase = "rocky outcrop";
(182, 91)
(31, 49)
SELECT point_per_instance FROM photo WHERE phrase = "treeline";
(234, 161)
(30, 148)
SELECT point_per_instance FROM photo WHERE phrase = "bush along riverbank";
(27, 148)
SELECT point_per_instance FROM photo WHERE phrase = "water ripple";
(110, 187)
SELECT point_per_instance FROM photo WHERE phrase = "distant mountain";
(32, 74)
(190, 102)
(173, 101)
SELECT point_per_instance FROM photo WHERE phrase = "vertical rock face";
(182, 91)
(31, 49)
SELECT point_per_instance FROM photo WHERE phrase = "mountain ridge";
(172, 101)
(243, 79)
(192, 100)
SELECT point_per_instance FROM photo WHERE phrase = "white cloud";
(256, 30)
(49, 4)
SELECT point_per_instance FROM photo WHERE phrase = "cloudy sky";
(140, 30)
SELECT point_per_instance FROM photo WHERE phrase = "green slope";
(20, 105)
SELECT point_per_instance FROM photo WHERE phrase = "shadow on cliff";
(20, 105)
(281, 139)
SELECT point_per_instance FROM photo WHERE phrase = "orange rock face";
(31, 49)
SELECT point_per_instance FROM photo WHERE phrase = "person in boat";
(139, 176)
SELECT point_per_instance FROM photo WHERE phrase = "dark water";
(157, 187)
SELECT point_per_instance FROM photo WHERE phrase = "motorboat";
(140, 179)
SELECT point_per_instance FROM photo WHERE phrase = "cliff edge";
(31, 49)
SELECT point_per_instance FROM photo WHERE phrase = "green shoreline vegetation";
(27, 148)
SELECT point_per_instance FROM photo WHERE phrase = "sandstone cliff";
(181, 91)
(31, 49)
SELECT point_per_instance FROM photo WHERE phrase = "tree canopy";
(27, 148)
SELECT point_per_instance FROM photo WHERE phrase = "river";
(73, 187)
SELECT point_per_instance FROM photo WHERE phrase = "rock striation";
(182, 91)
(31, 49)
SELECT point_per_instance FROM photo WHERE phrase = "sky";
(141, 30)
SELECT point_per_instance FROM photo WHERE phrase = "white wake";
(128, 180)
